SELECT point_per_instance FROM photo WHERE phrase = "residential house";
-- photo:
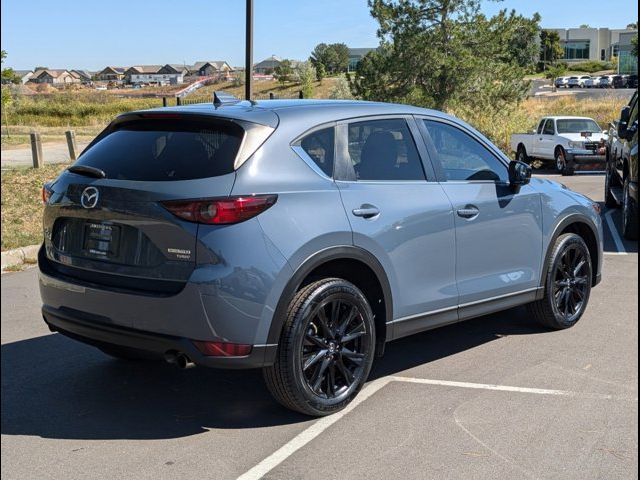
(209, 68)
(111, 74)
(83, 75)
(23, 75)
(142, 74)
(54, 76)
(267, 66)
(173, 73)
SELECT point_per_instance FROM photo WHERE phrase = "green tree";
(320, 72)
(443, 54)
(585, 25)
(550, 48)
(632, 26)
(554, 71)
(8, 75)
(334, 57)
(306, 73)
(340, 90)
(283, 72)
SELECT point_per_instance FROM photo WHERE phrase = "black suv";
(621, 184)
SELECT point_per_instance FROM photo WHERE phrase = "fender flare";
(348, 252)
(565, 222)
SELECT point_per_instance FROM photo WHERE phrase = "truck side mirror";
(625, 113)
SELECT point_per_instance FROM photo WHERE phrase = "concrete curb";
(18, 256)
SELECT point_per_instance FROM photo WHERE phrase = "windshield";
(577, 125)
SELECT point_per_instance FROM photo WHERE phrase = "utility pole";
(248, 64)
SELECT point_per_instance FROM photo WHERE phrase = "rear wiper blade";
(87, 170)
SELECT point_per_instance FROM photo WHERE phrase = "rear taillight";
(46, 193)
(220, 211)
(223, 349)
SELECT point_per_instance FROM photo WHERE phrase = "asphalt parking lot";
(494, 397)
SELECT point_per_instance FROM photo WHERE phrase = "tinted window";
(577, 125)
(462, 157)
(319, 145)
(540, 125)
(162, 150)
(548, 128)
(384, 150)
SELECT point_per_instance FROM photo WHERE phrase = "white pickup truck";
(568, 141)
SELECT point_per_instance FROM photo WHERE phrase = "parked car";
(301, 236)
(582, 81)
(568, 141)
(620, 81)
(632, 81)
(561, 82)
(603, 82)
(621, 180)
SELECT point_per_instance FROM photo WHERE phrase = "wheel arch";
(353, 264)
(580, 225)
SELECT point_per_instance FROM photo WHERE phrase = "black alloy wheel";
(571, 283)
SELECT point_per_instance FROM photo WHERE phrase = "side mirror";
(519, 173)
(625, 114)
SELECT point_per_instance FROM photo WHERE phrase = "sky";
(92, 34)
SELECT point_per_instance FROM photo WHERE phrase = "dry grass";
(22, 205)
(524, 117)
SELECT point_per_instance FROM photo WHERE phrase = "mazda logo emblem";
(89, 197)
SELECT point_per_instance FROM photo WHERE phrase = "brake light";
(220, 211)
(46, 194)
(223, 349)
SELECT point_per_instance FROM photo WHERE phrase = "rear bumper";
(94, 331)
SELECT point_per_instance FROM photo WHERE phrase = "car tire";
(629, 214)
(125, 353)
(562, 166)
(313, 373)
(567, 284)
(609, 199)
(521, 155)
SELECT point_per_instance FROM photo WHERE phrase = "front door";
(498, 229)
(401, 214)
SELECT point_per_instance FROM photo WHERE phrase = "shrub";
(591, 66)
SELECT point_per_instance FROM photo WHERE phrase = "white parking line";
(304, 437)
(614, 233)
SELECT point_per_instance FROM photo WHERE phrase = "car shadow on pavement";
(54, 387)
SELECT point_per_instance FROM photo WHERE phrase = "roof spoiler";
(221, 98)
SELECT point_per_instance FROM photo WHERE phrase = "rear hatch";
(105, 222)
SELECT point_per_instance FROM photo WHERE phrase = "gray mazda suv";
(301, 236)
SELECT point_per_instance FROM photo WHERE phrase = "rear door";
(399, 213)
(115, 231)
(498, 229)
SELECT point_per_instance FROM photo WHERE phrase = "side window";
(383, 150)
(541, 125)
(549, 129)
(320, 146)
(462, 157)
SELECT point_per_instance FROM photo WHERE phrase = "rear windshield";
(165, 150)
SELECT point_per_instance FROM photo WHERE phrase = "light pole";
(248, 64)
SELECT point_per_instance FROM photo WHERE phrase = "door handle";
(366, 211)
(469, 211)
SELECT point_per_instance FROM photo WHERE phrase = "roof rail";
(221, 98)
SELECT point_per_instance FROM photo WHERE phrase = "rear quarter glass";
(166, 150)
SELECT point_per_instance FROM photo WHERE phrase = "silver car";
(300, 237)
